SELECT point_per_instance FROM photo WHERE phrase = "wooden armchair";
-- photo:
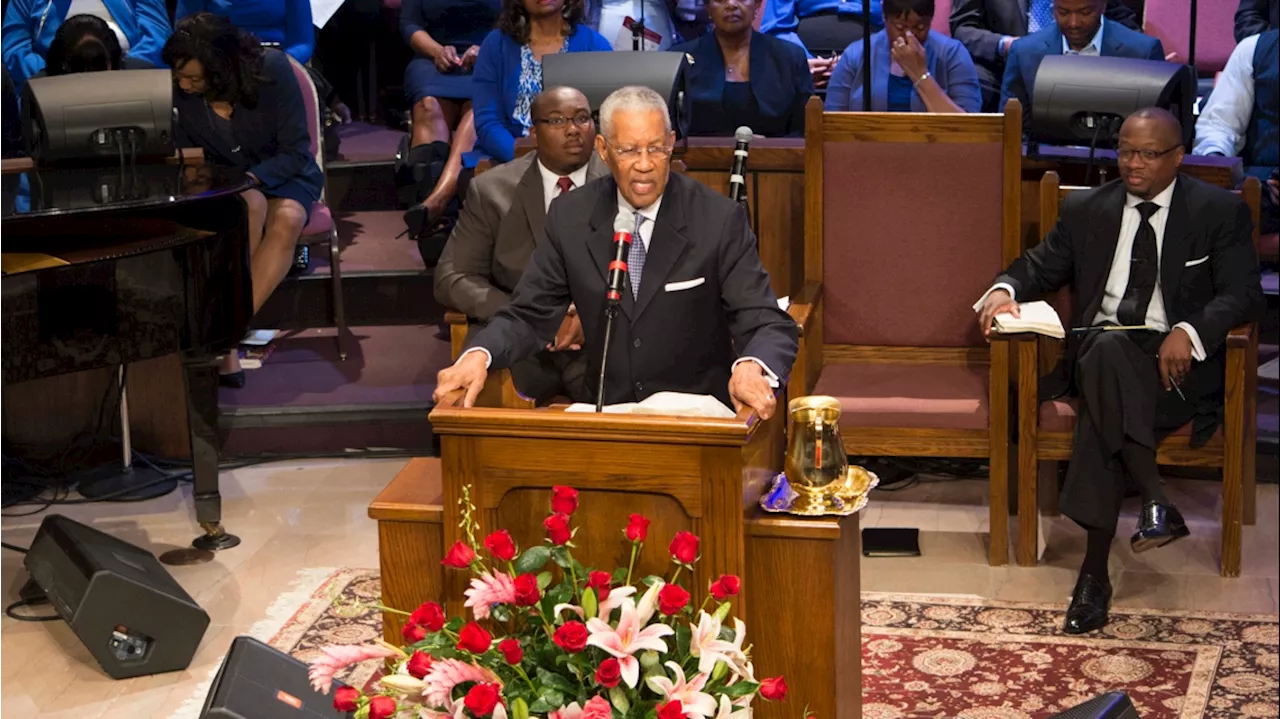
(908, 217)
(1045, 431)
(499, 389)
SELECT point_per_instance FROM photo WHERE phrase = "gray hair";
(633, 98)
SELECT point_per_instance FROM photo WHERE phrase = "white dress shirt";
(1224, 121)
(1118, 278)
(1094, 46)
(551, 186)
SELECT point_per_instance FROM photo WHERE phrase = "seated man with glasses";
(502, 221)
(697, 312)
(1171, 257)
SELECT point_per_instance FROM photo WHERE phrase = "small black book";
(890, 542)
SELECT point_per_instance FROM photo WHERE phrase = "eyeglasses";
(1129, 155)
(631, 154)
(582, 120)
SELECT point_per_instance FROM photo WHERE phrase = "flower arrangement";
(552, 638)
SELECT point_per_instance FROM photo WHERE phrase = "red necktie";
(565, 184)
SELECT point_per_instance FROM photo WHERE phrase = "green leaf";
(683, 633)
(540, 706)
(455, 624)
(619, 576)
(651, 580)
(722, 612)
(560, 556)
(721, 669)
(618, 698)
(544, 581)
(501, 612)
(553, 697)
(550, 679)
(741, 689)
(532, 560)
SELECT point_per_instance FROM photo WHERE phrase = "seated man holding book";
(1169, 261)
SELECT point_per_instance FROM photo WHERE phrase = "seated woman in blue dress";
(737, 76)
(913, 69)
(141, 27)
(285, 24)
(242, 106)
(445, 36)
(509, 69)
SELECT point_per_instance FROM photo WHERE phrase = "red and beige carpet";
(966, 658)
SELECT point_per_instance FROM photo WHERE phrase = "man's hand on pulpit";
(749, 386)
(468, 374)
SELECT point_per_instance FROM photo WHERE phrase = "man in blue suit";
(1079, 30)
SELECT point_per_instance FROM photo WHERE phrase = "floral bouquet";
(562, 641)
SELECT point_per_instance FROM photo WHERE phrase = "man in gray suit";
(502, 220)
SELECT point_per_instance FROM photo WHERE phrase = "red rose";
(460, 556)
(672, 598)
(429, 615)
(482, 699)
(419, 664)
(382, 707)
(728, 585)
(473, 638)
(527, 592)
(346, 699)
(558, 531)
(564, 500)
(684, 548)
(601, 582)
(571, 637)
(637, 528)
(609, 673)
(511, 651)
(500, 545)
(413, 633)
(671, 710)
(774, 689)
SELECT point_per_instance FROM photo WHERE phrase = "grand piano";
(112, 265)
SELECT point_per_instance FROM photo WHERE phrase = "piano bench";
(410, 541)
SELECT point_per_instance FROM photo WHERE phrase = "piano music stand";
(126, 482)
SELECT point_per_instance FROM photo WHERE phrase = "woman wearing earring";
(737, 76)
(509, 68)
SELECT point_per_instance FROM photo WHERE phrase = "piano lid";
(57, 192)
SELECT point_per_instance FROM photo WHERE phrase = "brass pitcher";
(816, 460)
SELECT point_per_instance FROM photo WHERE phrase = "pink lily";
(696, 702)
(706, 644)
(630, 636)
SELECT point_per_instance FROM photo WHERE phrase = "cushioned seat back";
(1170, 21)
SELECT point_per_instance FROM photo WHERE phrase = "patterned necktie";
(565, 184)
(635, 258)
(1144, 270)
(1039, 15)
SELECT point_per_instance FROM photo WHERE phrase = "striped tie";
(635, 258)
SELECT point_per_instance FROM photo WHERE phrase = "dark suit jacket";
(501, 221)
(980, 24)
(780, 81)
(1026, 53)
(1213, 295)
(1256, 16)
(681, 340)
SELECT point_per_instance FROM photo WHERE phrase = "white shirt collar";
(649, 213)
(550, 180)
(1093, 47)
(1164, 199)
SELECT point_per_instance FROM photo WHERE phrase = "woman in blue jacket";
(737, 76)
(913, 69)
(509, 68)
(243, 107)
(142, 26)
(283, 23)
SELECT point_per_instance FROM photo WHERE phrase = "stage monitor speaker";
(256, 681)
(118, 599)
(598, 74)
(1112, 705)
(113, 117)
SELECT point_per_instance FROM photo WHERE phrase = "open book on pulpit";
(678, 404)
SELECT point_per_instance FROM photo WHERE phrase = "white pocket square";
(1200, 261)
(685, 285)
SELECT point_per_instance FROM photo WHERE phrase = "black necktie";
(1144, 270)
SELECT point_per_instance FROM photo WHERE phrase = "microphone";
(623, 224)
(738, 172)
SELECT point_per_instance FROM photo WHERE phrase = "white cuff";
(1197, 349)
(998, 286)
(488, 358)
(768, 373)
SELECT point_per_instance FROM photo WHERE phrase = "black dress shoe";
(1089, 604)
(234, 380)
(1158, 525)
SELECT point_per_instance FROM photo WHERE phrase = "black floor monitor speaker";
(1112, 705)
(256, 681)
(117, 598)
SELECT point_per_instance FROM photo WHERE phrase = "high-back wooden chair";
(908, 217)
(1046, 429)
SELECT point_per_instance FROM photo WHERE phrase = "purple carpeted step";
(362, 142)
(369, 242)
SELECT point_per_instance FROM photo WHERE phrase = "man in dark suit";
(501, 222)
(1158, 249)
(1256, 16)
(1079, 30)
(697, 314)
(987, 28)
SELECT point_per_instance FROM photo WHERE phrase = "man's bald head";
(552, 97)
(1149, 151)
(1158, 122)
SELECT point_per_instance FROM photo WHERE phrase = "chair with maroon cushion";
(941, 17)
(1045, 431)
(321, 227)
(1170, 21)
(907, 219)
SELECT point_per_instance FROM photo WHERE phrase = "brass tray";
(843, 498)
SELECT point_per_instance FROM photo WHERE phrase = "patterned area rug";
(949, 657)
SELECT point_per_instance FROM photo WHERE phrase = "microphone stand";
(866, 55)
(610, 313)
(1191, 42)
(637, 45)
